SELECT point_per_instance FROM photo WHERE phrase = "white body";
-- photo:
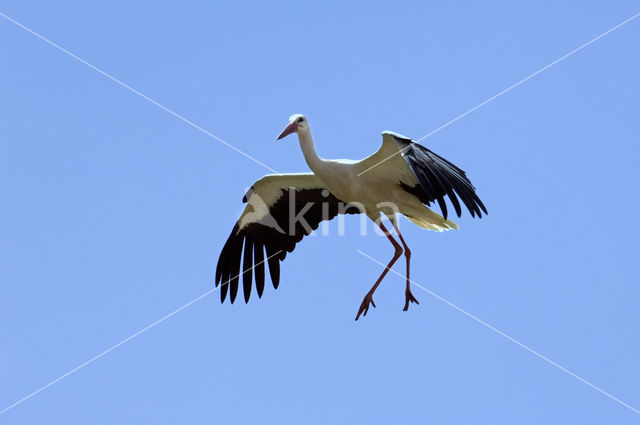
(378, 188)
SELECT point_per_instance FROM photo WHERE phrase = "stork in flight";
(401, 177)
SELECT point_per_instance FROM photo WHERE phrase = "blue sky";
(114, 213)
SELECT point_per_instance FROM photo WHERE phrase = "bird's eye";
(300, 120)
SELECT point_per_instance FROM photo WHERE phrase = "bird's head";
(297, 123)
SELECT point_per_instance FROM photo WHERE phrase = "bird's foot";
(409, 298)
(364, 307)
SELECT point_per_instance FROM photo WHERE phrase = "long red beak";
(291, 128)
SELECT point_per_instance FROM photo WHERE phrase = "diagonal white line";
(141, 331)
(544, 68)
(515, 341)
(128, 87)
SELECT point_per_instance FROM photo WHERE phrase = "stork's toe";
(409, 298)
(364, 307)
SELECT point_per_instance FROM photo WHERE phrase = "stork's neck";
(309, 151)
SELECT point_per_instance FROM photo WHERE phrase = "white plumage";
(401, 177)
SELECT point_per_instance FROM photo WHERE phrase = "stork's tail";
(428, 219)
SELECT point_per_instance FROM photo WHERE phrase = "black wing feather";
(236, 253)
(225, 287)
(438, 177)
(258, 258)
(247, 265)
(274, 264)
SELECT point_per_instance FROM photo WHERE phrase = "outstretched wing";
(281, 210)
(426, 175)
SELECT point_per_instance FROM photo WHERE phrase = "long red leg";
(368, 299)
(407, 253)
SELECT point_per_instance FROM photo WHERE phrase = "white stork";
(401, 177)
